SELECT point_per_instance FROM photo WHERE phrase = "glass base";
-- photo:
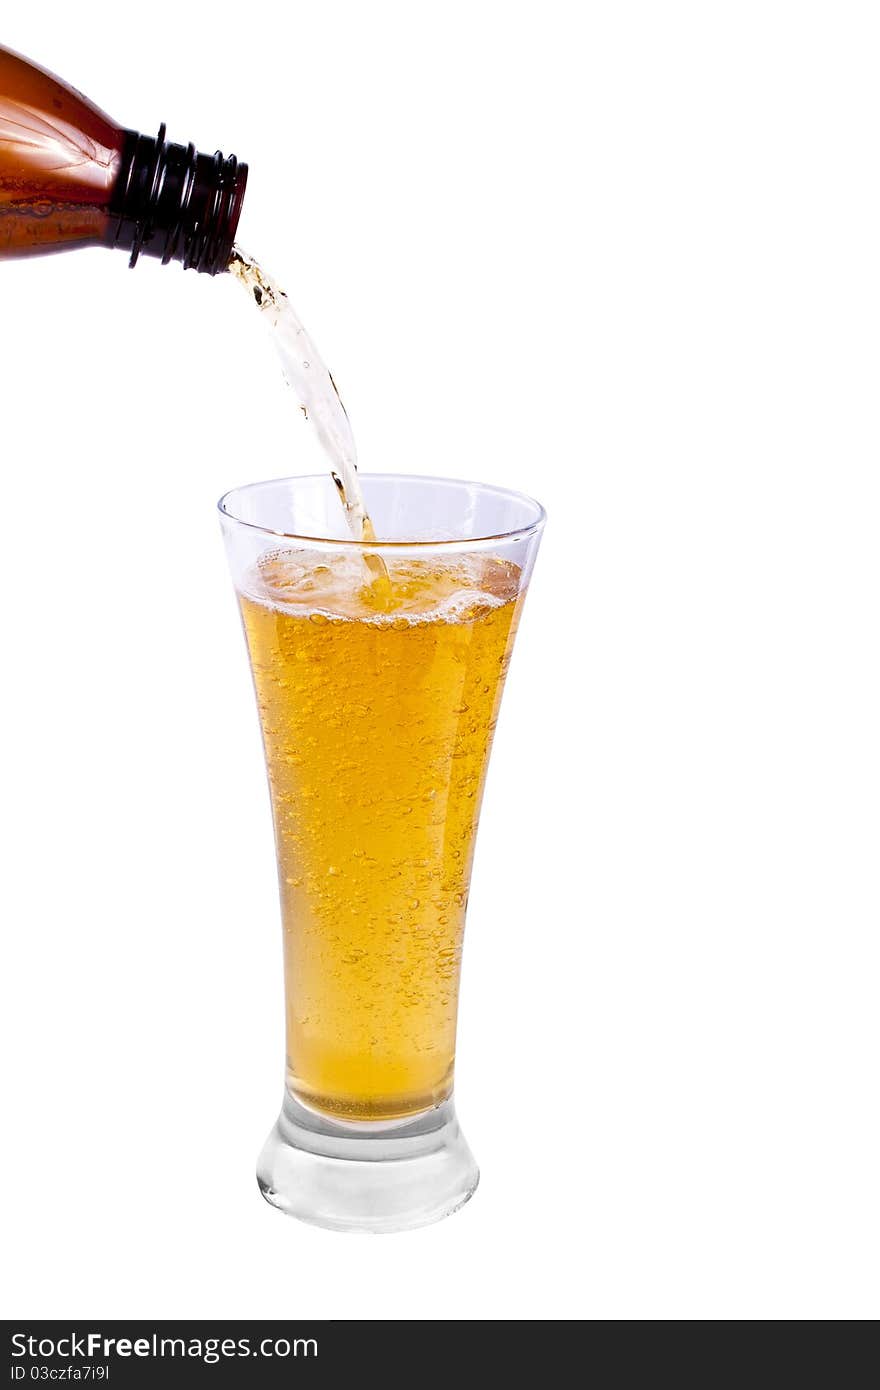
(366, 1176)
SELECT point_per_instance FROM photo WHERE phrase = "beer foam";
(455, 589)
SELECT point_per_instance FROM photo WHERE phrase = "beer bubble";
(374, 759)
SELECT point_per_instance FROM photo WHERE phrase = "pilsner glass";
(378, 669)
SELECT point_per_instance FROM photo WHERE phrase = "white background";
(626, 257)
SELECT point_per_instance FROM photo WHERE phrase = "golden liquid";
(320, 402)
(377, 727)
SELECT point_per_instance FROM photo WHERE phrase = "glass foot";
(366, 1176)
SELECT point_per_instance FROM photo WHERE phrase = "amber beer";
(377, 719)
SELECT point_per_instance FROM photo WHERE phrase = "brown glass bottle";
(70, 177)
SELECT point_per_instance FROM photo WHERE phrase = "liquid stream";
(306, 373)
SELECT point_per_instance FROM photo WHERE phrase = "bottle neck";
(174, 203)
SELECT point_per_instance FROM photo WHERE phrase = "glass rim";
(531, 528)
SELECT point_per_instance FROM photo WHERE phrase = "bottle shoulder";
(59, 160)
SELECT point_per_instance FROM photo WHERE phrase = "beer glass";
(378, 668)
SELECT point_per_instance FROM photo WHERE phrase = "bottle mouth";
(177, 204)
